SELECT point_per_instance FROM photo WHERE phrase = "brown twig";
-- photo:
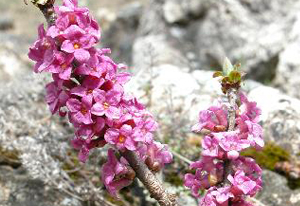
(232, 98)
(152, 184)
(47, 9)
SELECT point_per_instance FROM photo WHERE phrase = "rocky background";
(171, 47)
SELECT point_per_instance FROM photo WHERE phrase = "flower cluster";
(227, 176)
(87, 86)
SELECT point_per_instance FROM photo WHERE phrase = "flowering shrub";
(87, 87)
(227, 176)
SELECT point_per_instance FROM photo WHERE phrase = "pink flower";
(92, 131)
(242, 203)
(107, 104)
(210, 147)
(116, 174)
(216, 197)
(89, 89)
(250, 168)
(143, 132)
(70, 14)
(61, 65)
(157, 156)
(250, 131)
(208, 173)
(42, 51)
(213, 119)
(122, 137)
(85, 146)
(92, 67)
(241, 184)
(56, 97)
(77, 42)
(221, 194)
(80, 111)
(249, 109)
(231, 143)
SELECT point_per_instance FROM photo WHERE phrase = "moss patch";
(269, 156)
(174, 179)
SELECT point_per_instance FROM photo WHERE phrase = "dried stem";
(232, 98)
(152, 184)
(47, 9)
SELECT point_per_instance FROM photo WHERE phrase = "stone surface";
(122, 31)
(177, 11)
(154, 50)
(276, 192)
(253, 33)
(17, 189)
(288, 70)
(280, 116)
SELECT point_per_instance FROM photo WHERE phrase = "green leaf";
(227, 66)
(217, 74)
(235, 76)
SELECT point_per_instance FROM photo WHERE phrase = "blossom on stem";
(116, 174)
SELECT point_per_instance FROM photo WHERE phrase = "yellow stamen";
(83, 110)
(122, 138)
(105, 105)
(76, 46)
(64, 66)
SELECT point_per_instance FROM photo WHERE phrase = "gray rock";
(280, 116)
(18, 189)
(6, 23)
(251, 32)
(154, 50)
(288, 70)
(275, 191)
(176, 11)
(122, 32)
(11, 64)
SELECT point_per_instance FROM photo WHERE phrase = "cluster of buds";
(227, 176)
(87, 87)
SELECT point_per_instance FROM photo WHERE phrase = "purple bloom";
(80, 111)
(91, 131)
(250, 131)
(208, 173)
(92, 67)
(210, 147)
(143, 132)
(61, 65)
(89, 89)
(122, 137)
(157, 156)
(216, 197)
(77, 42)
(241, 184)
(249, 109)
(70, 14)
(213, 119)
(107, 104)
(231, 143)
(116, 174)
(42, 51)
(56, 97)
(85, 146)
